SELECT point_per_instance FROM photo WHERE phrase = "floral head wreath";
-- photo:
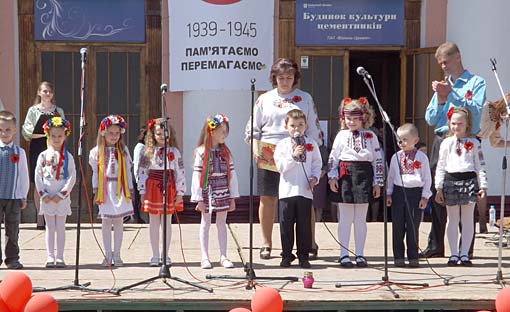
(151, 123)
(212, 124)
(57, 122)
(362, 100)
(216, 121)
(112, 120)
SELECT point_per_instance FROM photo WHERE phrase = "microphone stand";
(248, 267)
(499, 275)
(386, 122)
(76, 283)
(164, 272)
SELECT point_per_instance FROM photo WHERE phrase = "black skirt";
(354, 183)
(38, 145)
(267, 182)
(460, 188)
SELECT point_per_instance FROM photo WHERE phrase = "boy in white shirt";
(408, 191)
(299, 162)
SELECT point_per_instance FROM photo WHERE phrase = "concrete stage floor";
(460, 294)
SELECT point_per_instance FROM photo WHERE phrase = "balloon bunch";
(16, 295)
(265, 299)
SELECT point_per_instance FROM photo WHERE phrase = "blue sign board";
(349, 22)
(89, 20)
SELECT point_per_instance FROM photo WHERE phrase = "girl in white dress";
(55, 175)
(112, 184)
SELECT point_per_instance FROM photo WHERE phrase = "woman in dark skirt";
(355, 175)
(460, 182)
(43, 109)
(268, 129)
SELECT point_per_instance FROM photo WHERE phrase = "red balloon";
(15, 290)
(3, 306)
(503, 300)
(239, 310)
(266, 299)
(41, 303)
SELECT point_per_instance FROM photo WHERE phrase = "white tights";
(55, 225)
(156, 222)
(464, 215)
(348, 214)
(221, 226)
(118, 231)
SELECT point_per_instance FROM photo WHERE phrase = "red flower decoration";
(450, 113)
(170, 156)
(14, 158)
(416, 164)
(468, 95)
(368, 135)
(151, 123)
(309, 147)
(296, 99)
(468, 145)
(57, 114)
(347, 100)
(363, 100)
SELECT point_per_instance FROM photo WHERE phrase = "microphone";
(362, 72)
(299, 141)
(83, 52)
(163, 88)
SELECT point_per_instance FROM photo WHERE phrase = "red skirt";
(153, 199)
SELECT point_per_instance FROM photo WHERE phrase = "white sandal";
(206, 264)
(226, 263)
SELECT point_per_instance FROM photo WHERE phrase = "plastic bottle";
(308, 280)
(492, 215)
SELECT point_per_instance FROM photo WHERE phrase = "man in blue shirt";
(459, 88)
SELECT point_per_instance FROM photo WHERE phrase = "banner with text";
(220, 44)
(349, 22)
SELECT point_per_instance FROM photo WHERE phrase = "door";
(113, 85)
(420, 68)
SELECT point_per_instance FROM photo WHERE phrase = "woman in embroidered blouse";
(43, 109)
(269, 128)
(460, 181)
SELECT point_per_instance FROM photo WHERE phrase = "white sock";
(345, 219)
(118, 232)
(60, 226)
(360, 227)
(205, 225)
(107, 237)
(221, 226)
(50, 236)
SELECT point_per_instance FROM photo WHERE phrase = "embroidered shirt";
(344, 150)
(470, 160)
(293, 181)
(14, 181)
(410, 171)
(269, 116)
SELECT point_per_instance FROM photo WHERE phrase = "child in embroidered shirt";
(355, 174)
(112, 183)
(299, 162)
(14, 184)
(408, 183)
(55, 175)
(150, 183)
(460, 181)
(214, 185)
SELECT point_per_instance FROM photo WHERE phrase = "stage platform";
(460, 294)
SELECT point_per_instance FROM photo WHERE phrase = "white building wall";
(481, 30)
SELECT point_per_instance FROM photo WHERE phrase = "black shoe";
(453, 261)
(265, 253)
(414, 263)
(305, 264)
(429, 253)
(16, 265)
(285, 263)
(345, 262)
(464, 260)
(400, 263)
(361, 262)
